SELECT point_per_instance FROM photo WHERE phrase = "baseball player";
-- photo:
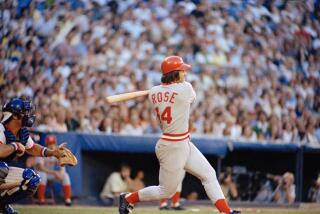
(176, 154)
(17, 183)
(49, 170)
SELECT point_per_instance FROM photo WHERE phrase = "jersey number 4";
(165, 115)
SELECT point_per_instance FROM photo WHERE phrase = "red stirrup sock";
(176, 199)
(132, 198)
(222, 206)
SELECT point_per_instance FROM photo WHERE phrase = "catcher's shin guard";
(124, 206)
(29, 184)
(31, 180)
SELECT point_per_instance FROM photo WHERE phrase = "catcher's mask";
(22, 108)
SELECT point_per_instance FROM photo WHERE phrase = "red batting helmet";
(173, 63)
(50, 139)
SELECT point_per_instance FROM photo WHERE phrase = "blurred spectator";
(287, 133)
(192, 196)
(116, 183)
(207, 128)
(228, 186)
(265, 193)
(218, 125)
(310, 137)
(247, 134)
(59, 123)
(46, 123)
(235, 129)
(106, 125)
(117, 126)
(137, 182)
(314, 191)
(153, 127)
(227, 132)
(71, 122)
(285, 191)
(133, 127)
(262, 124)
(50, 171)
(254, 63)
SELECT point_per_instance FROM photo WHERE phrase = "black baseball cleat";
(235, 212)
(7, 209)
(68, 203)
(165, 207)
(177, 208)
(124, 206)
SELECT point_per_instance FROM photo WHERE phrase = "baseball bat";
(126, 96)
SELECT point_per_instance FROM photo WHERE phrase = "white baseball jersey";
(172, 105)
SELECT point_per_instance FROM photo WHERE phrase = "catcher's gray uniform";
(174, 150)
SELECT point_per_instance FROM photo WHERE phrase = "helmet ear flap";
(5, 116)
(12, 108)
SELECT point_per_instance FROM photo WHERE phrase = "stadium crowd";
(256, 64)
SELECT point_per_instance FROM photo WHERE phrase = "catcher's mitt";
(67, 157)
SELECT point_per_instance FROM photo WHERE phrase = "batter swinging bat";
(126, 96)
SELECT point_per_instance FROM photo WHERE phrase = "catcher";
(49, 170)
(16, 183)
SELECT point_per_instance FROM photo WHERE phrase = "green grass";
(86, 210)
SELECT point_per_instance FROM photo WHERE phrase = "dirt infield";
(303, 209)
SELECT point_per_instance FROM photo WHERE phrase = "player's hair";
(124, 166)
(170, 77)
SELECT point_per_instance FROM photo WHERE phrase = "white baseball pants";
(175, 158)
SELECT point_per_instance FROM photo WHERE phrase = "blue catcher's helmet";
(20, 107)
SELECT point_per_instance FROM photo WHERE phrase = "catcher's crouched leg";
(27, 181)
